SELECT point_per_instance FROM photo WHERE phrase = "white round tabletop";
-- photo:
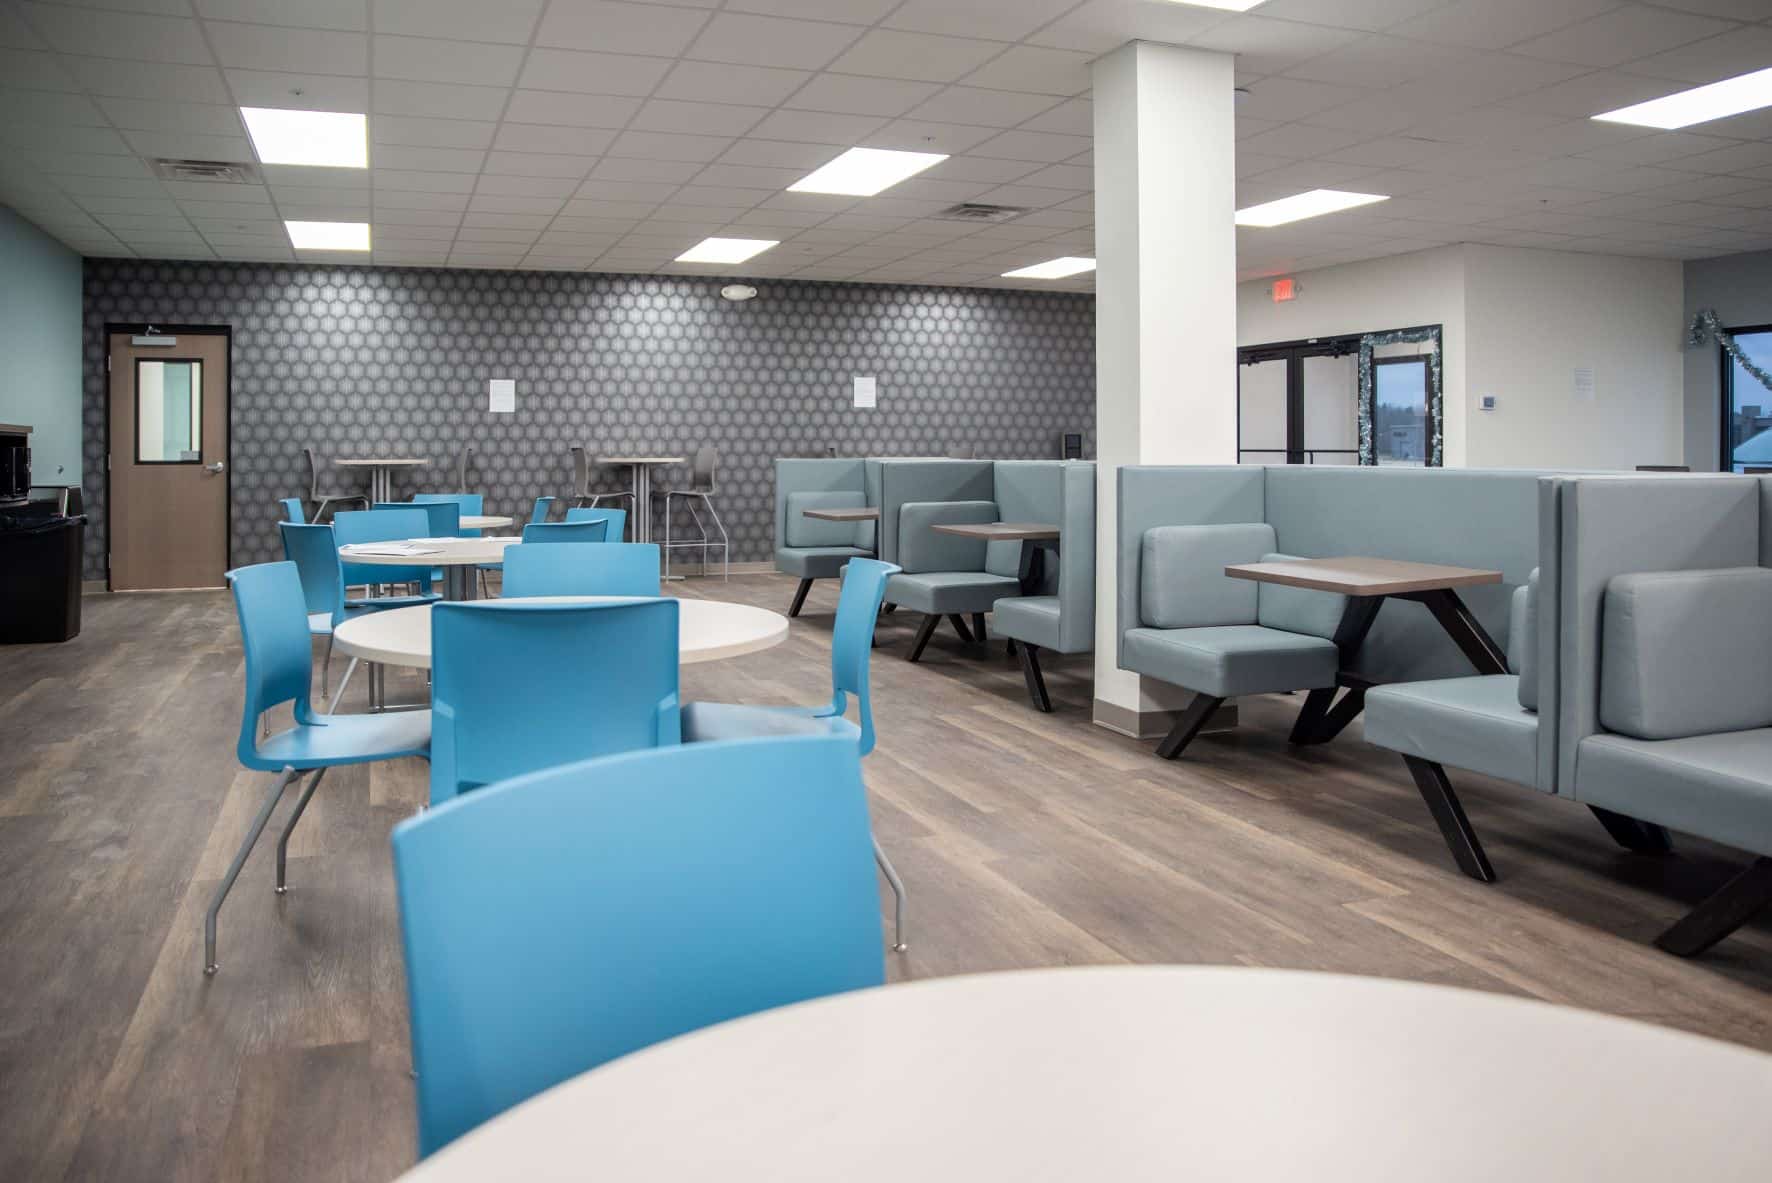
(392, 462)
(483, 521)
(1148, 1073)
(707, 630)
(438, 552)
(641, 459)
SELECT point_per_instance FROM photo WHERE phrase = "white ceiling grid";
(610, 135)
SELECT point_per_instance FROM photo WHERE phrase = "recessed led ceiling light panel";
(1300, 206)
(1226, 5)
(1701, 104)
(1053, 269)
(726, 250)
(863, 172)
(329, 236)
(329, 139)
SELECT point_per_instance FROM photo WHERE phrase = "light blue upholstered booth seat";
(1666, 667)
(1059, 615)
(809, 548)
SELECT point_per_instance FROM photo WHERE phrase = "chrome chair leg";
(210, 965)
(898, 943)
(332, 703)
(725, 539)
(301, 804)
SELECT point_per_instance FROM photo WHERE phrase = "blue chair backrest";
(292, 510)
(315, 555)
(619, 569)
(472, 505)
(382, 525)
(539, 512)
(279, 652)
(444, 517)
(617, 519)
(518, 686)
(565, 531)
(852, 638)
(553, 923)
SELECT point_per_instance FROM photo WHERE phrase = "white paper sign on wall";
(501, 395)
(1584, 385)
(866, 391)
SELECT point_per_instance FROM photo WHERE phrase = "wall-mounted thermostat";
(1487, 402)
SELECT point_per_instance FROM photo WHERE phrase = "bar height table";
(641, 467)
(381, 472)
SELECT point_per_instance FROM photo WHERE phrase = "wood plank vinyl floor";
(1024, 840)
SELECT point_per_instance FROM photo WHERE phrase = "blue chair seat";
(1232, 659)
(1475, 723)
(350, 739)
(703, 721)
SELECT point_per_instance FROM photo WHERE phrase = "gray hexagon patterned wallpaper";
(365, 361)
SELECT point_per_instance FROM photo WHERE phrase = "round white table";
(707, 630)
(1148, 1073)
(457, 556)
(381, 472)
(641, 467)
(483, 521)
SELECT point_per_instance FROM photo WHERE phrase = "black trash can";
(39, 573)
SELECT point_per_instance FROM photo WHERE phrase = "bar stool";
(700, 489)
(583, 472)
(327, 498)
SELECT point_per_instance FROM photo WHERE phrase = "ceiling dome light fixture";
(738, 293)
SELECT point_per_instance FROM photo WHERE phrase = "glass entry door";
(1299, 403)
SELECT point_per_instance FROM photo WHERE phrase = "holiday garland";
(1705, 326)
(1436, 440)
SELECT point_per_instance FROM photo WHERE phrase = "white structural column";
(1165, 304)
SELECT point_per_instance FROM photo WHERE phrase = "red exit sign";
(1285, 289)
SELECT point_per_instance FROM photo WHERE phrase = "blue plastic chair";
(619, 569)
(314, 551)
(468, 504)
(539, 511)
(384, 525)
(558, 921)
(293, 510)
(617, 519)
(565, 532)
(517, 686)
(443, 517)
(852, 646)
(279, 669)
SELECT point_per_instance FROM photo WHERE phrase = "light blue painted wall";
(40, 318)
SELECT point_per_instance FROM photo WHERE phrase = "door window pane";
(1261, 412)
(1331, 410)
(1399, 419)
(1748, 433)
(168, 412)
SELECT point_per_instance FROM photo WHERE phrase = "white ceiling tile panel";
(770, 41)
(431, 133)
(437, 99)
(349, 15)
(406, 156)
(35, 70)
(856, 95)
(466, 20)
(696, 118)
(133, 36)
(63, 139)
(1492, 24)
(996, 108)
(428, 59)
(715, 82)
(198, 118)
(887, 53)
(978, 18)
(1616, 37)
(620, 169)
(613, 27)
(300, 92)
(649, 145)
(1739, 51)
(554, 140)
(592, 73)
(1036, 70)
(263, 47)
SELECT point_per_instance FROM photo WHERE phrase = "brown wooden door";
(168, 503)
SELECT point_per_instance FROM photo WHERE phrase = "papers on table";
(395, 549)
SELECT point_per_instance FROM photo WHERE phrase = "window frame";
(1726, 389)
(196, 410)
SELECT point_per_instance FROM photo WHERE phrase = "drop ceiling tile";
(511, 203)
(1492, 24)
(402, 199)
(98, 203)
(133, 36)
(1661, 147)
(981, 169)
(212, 195)
(618, 169)
(317, 92)
(35, 70)
(856, 95)
(538, 164)
(1739, 51)
(1102, 25)
(262, 47)
(1062, 176)
(592, 73)
(919, 188)
(431, 133)
(309, 14)
(890, 54)
(561, 187)
(1353, 14)
(555, 140)
(649, 145)
(977, 18)
(995, 108)
(770, 41)
(81, 164)
(730, 196)
(189, 147)
(575, 110)
(230, 213)
(1302, 175)
(1031, 145)
(713, 82)
(1498, 125)
(800, 157)
(1380, 61)
(438, 100)
(15, 34)
(1619, 36)
(1297, 141)
(613, 27)
(534, 222)
(428, 59)
(816, 127)
(424, 182)
(448, 160)
(1035, 70)
(703, 118)
(494, 234)
(49, 107)
(1286, 99)
(744, 176)
(199, 118)
(913, 135)
(465, 20)
(1269, 46)
(123, 223)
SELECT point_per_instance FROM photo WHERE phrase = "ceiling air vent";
(219, 172)
(972, 211)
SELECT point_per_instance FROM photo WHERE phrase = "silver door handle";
(216, 467)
